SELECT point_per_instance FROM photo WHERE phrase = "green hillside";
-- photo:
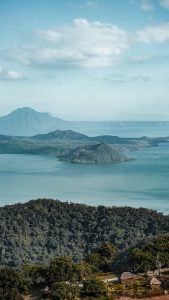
(39, 230)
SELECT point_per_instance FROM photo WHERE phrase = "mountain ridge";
(27, 121)
(61, 134)
(94, 154)
(71, 146)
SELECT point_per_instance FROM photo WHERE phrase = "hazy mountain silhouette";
(27, 121)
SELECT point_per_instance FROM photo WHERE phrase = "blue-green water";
(143, 182)
(124, 128)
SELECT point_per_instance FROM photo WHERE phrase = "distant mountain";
(94, 154)
(71, 146)
(67, 145)
(61, 134)
(27, 121)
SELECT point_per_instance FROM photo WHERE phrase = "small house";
(127, 277)
(155, 283)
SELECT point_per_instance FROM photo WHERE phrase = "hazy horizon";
(116, 118)
(86, 60)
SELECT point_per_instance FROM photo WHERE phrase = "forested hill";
(40, 229)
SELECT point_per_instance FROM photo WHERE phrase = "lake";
(123, 128)
(143, 182)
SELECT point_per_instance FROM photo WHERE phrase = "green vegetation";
(63, 290)
(94, 288)
(155, 252)
(63, 279)
(102, 257)
(42, 229)
(12, 284)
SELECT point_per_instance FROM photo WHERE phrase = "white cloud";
(154, 34)
(146, 5)
(81, 43)
(164, 3)
(10, 74)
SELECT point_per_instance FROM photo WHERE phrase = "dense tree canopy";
(12, 284)
(102, 257)
(61, 269)
(94, 287)
(42, 229)
(152, 255)
(64, 291)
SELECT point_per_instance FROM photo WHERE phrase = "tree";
(141, 260)
(35, 273)
(12, 284)
(94, 260)
(94, 288)
(102, 257)
(61, 269)
(107, 253)
(82, 270)
(151, 255)
(64, 291)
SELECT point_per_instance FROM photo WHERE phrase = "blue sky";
(89, 60)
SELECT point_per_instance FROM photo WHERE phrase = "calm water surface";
(143, 182)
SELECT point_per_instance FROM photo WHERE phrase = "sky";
(86, 59)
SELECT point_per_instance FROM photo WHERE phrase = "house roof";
(127, 275)
(155, 281)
